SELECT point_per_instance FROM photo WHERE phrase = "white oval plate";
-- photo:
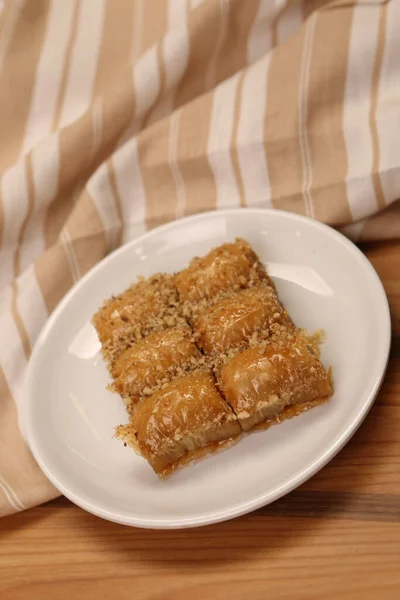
(325, 282)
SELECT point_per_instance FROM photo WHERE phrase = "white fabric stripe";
(260, 38)
(219, 143)
(11, 494)
(250, 135)
(131, 189)
(211, 74)
(175, 51)
(14, 191)
(173, 164)
(8, 29)
(30, 304)
(100, 190)
(388, 115)
(82, 72)
(303, 112)
(12, 355)
(49, 73)
(66, 241)
(289, 22)
(45, 169)
(357, 105)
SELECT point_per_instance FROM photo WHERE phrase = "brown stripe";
(17, 78)
(234, 153)
(66, 66)
(282, 146)
(376, 180)
(195, 169)
(324, 127)
(160, 190)
(337, 505)
(204, 23)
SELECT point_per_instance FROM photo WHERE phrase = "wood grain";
(338, 536)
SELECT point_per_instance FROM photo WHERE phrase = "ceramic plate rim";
(26, 418)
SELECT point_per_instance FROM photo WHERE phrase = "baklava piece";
(147, 306)
(154, 361)
(260, 383)
(228, 268)
(177, 423)
(250, 315)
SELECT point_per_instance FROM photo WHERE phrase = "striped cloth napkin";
(119, 115)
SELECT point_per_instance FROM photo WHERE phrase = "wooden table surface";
(337, 536)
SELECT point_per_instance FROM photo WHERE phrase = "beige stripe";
(87, 233)
(161, 89)
(14, 107)
(31, 207)
(14, 301)
(18, 321)
(67, 64)
(115, 73)
(374, 103)
(233, 55)
(309, 32)
(19, 473)
(309, 6)
(117, 198)
(282, 145)
(160, 190)
(326, 106)
(192, 155)
(60, 208)
(10, 16)
(203, 20)
(234, 152)
(242, 59)
(113, 112)
(173, 164)
(154, 23)
(53, 275)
